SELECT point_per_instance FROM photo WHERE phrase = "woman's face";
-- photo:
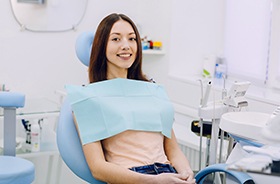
(121, 49)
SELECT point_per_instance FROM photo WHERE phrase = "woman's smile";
(124, 56)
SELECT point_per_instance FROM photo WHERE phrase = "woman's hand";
(171, 178)
(188, 176)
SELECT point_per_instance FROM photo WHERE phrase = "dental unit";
(256, 132)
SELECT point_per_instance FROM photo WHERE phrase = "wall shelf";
(153, 52)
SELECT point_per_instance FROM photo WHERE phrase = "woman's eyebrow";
(131, 33)
(115, 33)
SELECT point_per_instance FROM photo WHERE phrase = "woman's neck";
(113, 75)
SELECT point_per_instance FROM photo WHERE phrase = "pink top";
(135, 148)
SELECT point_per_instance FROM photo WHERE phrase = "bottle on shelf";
(220, 68)
(35, 136)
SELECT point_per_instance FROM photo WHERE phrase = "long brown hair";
(98, 62)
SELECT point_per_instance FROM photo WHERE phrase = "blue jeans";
(156, 168)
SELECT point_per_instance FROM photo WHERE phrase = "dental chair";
(68, 140)
(69, 144)
(13, 170)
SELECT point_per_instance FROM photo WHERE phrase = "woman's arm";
(177, 158)
(105, 171)
(114, 174)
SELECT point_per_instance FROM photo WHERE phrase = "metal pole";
(9, 131)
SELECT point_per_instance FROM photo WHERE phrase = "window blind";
(247, 37)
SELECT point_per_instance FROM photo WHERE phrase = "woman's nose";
(125, 45)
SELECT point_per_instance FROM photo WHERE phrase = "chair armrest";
(240, 176)
(11, 99)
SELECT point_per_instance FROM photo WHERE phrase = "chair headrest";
(83, 47)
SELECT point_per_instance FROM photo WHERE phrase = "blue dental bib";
(104, 109)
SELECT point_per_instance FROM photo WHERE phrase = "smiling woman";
(116, 50)
(120, 112)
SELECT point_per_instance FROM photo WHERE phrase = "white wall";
(197, 32)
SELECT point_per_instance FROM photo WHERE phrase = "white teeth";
(124, 55)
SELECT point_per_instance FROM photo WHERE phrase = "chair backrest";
(68, 140)
(70, 147)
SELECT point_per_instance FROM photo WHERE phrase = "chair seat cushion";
(16, 170)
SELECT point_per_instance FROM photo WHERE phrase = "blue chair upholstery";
(11, 99)
(83, 47)
(69, 145)
(13, 169)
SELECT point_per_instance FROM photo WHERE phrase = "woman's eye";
(133, 39)
(115, 39)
